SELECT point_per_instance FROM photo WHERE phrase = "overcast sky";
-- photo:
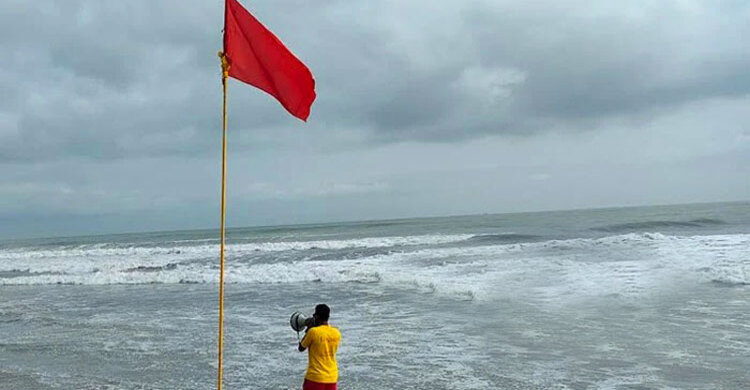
(110, 111)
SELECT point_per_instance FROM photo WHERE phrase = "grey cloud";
(595, 60)
(100, 79)
(581, 63)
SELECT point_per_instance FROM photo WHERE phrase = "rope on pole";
(224, 76)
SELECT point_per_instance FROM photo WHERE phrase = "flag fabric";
(257, 57)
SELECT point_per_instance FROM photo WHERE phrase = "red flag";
(257, 57)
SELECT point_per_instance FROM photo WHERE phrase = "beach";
(625, 298)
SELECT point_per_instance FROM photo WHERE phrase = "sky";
(110, 111)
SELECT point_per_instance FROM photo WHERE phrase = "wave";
(731, 283)
(502, 238)
(626, 265)
(728, 273)
(659, 224)
(129, 250)
(146, 268)
(17, 273)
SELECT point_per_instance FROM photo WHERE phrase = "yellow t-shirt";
(321, 343)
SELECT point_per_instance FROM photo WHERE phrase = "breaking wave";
(626, 265)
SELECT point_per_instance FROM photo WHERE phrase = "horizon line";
(347, 222)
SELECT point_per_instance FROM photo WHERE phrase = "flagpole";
(224, 75)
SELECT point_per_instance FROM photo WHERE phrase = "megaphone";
(299, 322)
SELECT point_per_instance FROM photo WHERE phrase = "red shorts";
(310, 385)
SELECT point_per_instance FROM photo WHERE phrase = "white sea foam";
(630, 265)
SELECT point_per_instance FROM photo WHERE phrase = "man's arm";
(304, 343)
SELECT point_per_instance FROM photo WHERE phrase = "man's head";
(322, 313)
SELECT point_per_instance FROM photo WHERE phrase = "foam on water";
(628, 265)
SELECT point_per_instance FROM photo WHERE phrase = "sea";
(620, 298)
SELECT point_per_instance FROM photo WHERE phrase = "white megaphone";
(299, 322)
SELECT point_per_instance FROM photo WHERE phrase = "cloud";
(594, 60)
(101, 79)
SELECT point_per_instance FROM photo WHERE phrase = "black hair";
(322, 312)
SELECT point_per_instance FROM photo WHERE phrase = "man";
(321, 340)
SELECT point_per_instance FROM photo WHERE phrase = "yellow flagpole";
(224, 75)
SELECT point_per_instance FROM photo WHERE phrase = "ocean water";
(629, 298)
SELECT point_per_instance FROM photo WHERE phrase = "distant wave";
(502, 238)
(731, 283)
(129, 250)
(146, 268)
(17, 273)
(651, 225)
